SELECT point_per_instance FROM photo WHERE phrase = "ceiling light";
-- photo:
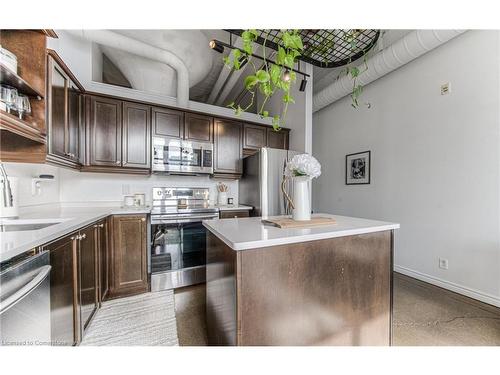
(216, 46)
(303, 84)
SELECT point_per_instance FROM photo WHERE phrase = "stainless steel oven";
(178, 238)
(172, 155)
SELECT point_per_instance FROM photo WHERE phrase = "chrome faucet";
(6, 190)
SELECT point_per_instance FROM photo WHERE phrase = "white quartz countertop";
(250, 233)
(71, 219)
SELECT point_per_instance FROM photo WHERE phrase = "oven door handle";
(180, 220)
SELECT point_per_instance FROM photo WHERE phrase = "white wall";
(435, 163)
(79, 188)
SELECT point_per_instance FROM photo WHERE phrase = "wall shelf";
(8, 77)
(17, 126)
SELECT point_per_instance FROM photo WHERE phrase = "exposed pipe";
(136, 47)
(403, 51)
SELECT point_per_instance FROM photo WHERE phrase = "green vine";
(276, 77)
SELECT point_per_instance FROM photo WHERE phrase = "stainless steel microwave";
(172, 155)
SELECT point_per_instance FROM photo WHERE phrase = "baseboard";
(475, 294)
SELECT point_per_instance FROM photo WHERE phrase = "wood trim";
(62, 64)
(47, 32)
(226, 176)
(15, 125)
(104, 169)
(62, 162)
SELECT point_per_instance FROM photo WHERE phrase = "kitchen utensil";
(8, 95)
(8, 59)
(23, 105)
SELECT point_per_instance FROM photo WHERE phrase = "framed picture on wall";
(357, 168)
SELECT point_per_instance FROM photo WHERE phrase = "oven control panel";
(181, 193)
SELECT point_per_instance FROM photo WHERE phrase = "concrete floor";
(423, 315)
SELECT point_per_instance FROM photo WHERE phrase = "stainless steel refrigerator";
(260, 185)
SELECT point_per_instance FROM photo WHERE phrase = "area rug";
(144, 320)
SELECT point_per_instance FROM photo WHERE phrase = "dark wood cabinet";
(277, 139)
(105, 132)
(233, 214)
(198, 127)
(168, 122)
(128, 256)
(64, 114)
(254, 137)
(228, 148)
(102, 259)
(63, 290)
(136, 147)
(87, 275)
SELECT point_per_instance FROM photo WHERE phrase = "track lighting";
(286, 75)
(216, 46)
(303, 84)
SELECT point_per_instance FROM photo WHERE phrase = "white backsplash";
(50, 190)
(107, 188)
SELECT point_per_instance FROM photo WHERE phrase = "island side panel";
(221, 292)
(328, 292)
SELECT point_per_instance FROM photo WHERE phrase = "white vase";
(302, 210)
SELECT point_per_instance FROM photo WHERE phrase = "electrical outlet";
(445, 88)
(443, 263)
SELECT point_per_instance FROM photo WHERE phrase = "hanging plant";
(274, 77)
(277, 77)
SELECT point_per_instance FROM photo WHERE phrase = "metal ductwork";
(403, 51)
(127, 44)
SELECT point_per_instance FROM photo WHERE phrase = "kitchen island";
(328, 285)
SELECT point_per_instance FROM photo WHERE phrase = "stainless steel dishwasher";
(25, 300)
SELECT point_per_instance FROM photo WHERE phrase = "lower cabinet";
(233, 214)
(128, 272)
(107, 259)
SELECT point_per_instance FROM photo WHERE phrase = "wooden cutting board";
(286, 223)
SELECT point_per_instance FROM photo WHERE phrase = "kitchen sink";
(19, 225)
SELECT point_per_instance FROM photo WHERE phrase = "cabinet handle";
(118, 162)
(101, 225)
(73, 238)
(143, 219)
(124, 163)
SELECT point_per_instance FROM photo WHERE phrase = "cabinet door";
(198, 127)
(168, 123)
(105, 132)
(128, 256)
(87, 275)
(254, 137)
(136, 135)
(63, 291)
(233, 214)
(103, 259)
(228, 147)
(74, 117)
(57, 109)
(277, 139)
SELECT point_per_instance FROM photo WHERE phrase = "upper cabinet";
(64, 114)
(178, 124)
(104, 139)
(198, 127)
(168, 122)
(228, 148)
(136, 133)
(254, 137)
(277, 139)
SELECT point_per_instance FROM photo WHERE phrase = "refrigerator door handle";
(25, 290)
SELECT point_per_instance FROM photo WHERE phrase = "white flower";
(303, 165)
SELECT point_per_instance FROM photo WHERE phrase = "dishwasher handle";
(25, 290)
